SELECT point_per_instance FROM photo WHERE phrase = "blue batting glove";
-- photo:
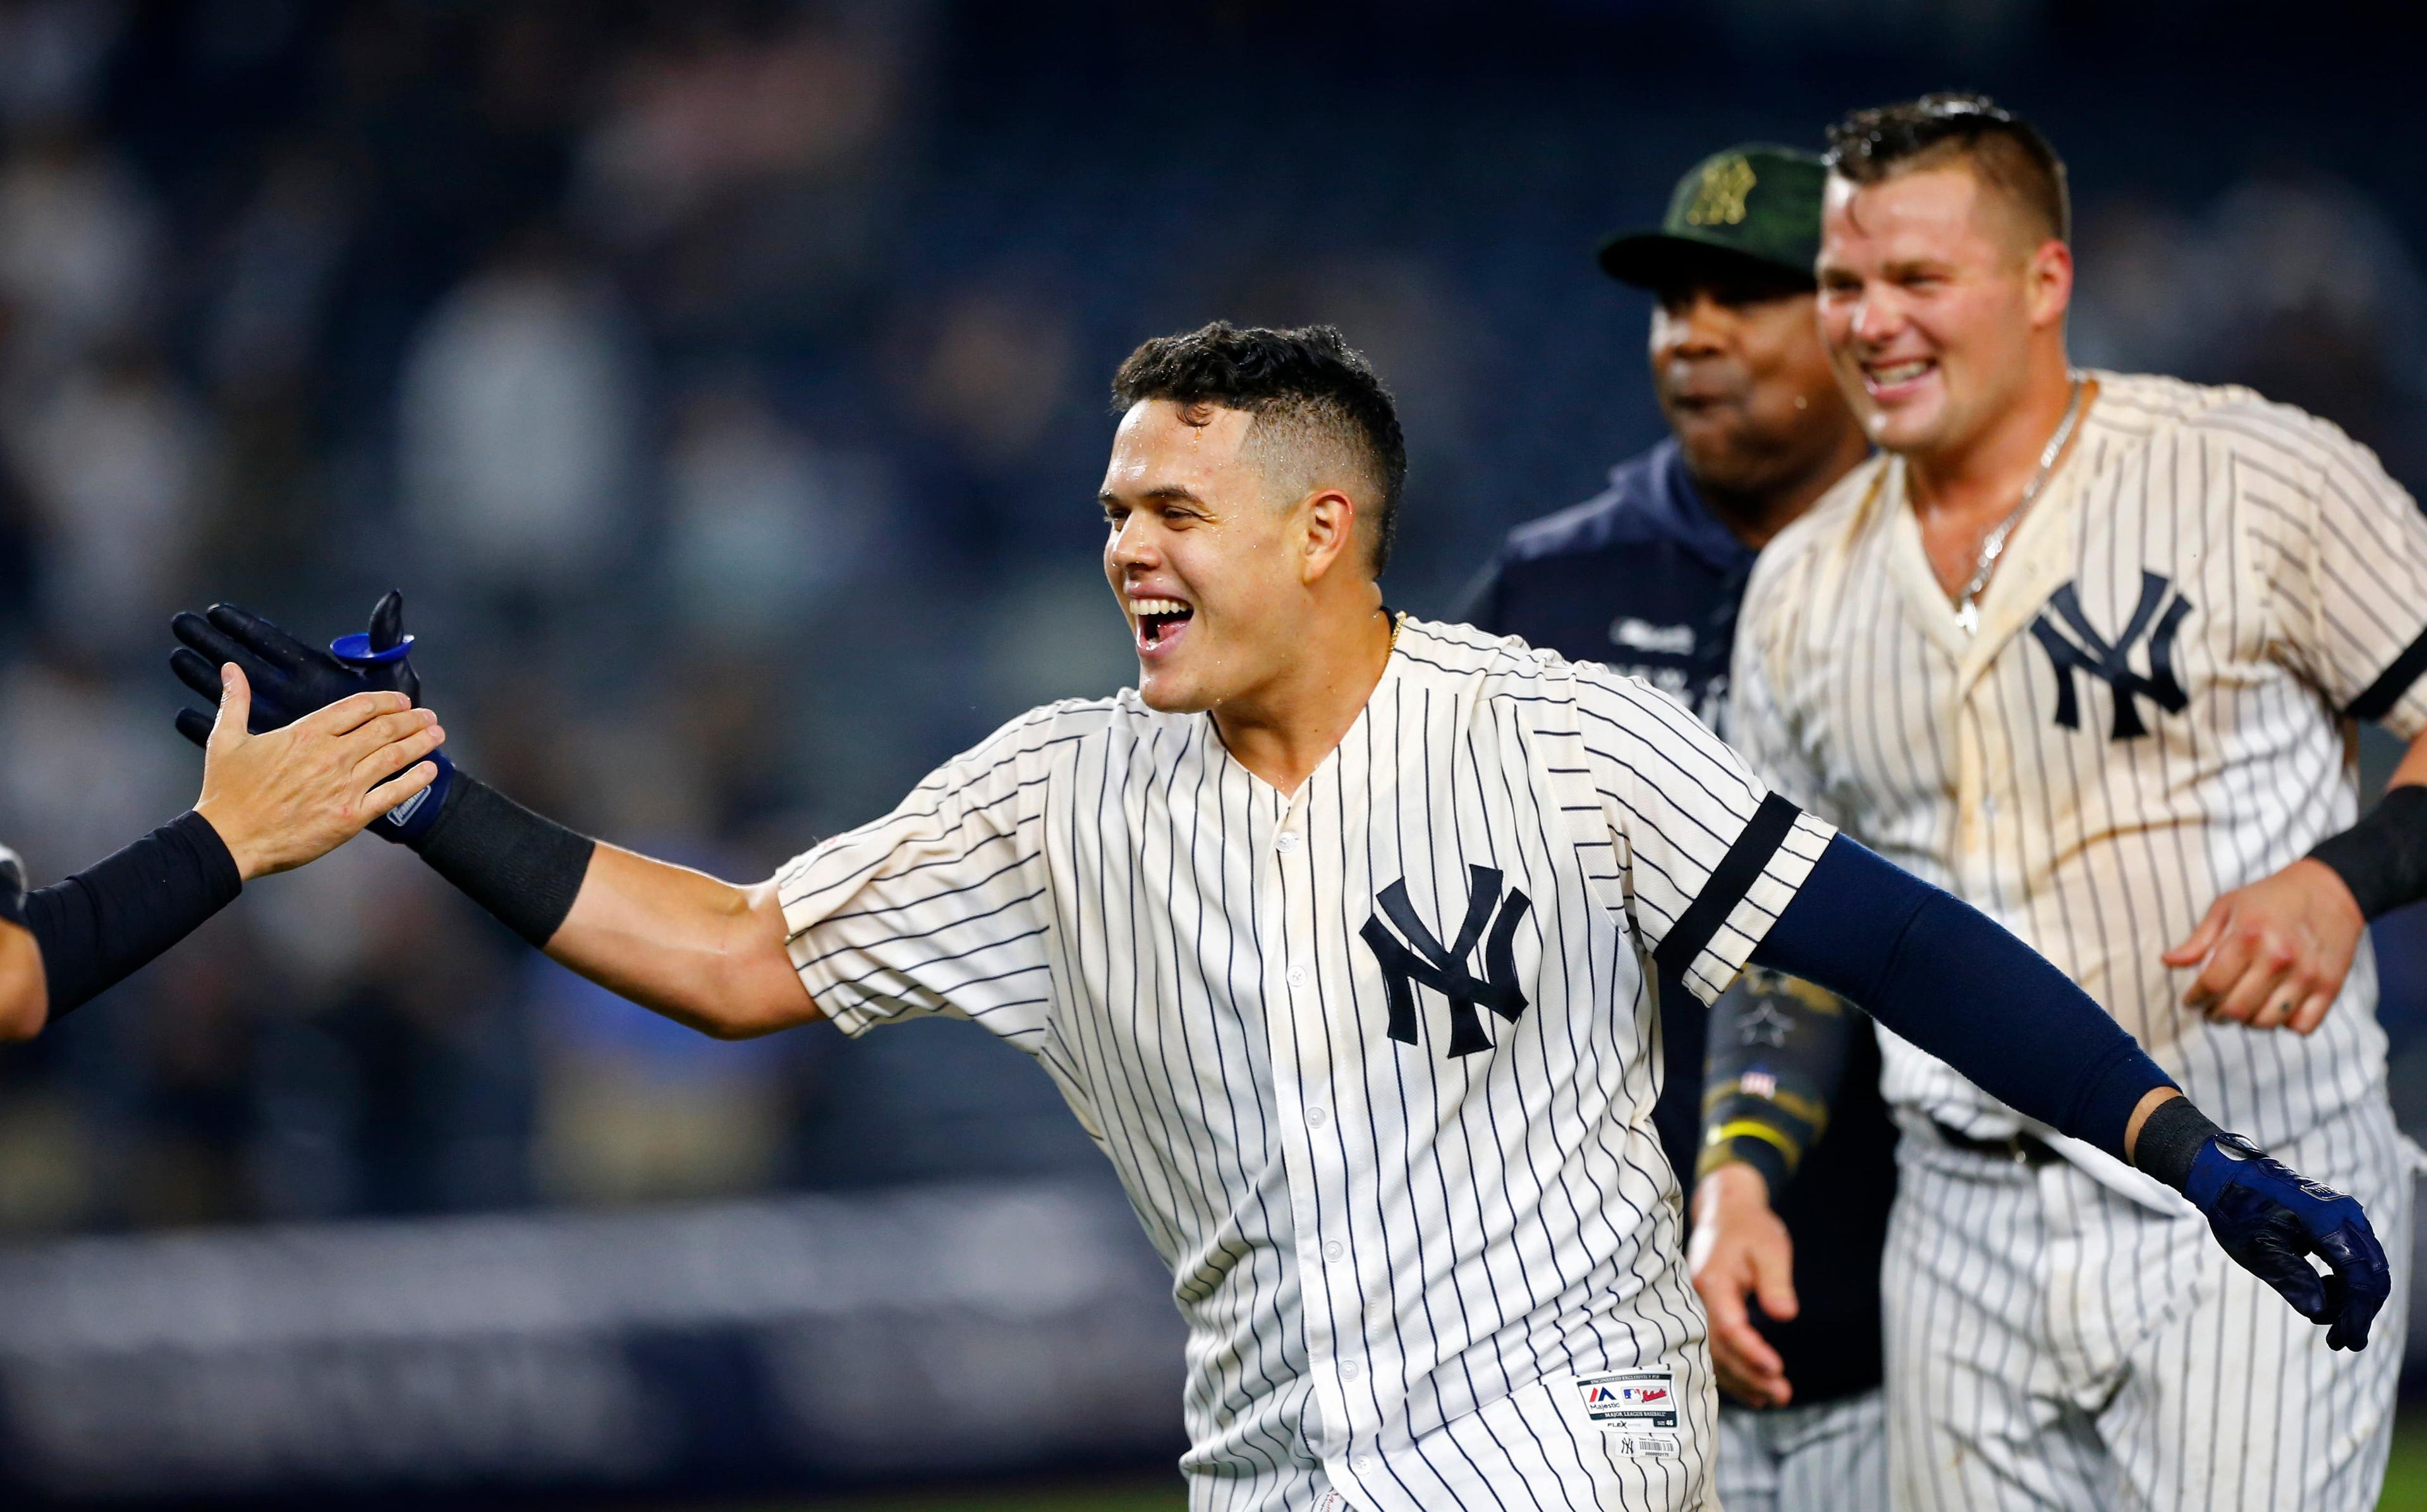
(2271, 1220)
(291, 679)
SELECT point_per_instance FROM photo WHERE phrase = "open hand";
(1741, 1249)
(288, 678)
(2275, 951)
(290, 795)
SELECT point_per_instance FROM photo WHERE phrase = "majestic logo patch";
(1625, 1400)
(1423, 960)
(2085, 650)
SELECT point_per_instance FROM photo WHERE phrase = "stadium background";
(722, 383)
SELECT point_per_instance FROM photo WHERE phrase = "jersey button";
(1349, 1370)
(1317, 1116)
(1289, 839)
(1297, 976)
(1335, 1251)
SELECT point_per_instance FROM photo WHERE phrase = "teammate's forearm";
(1778, 1050)
(2383, 858)
(1946, 977)
(98, 926)
(701, 952)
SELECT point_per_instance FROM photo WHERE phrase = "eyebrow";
(1167, 493)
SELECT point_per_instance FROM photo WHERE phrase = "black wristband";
(99, 925)
(2171, 1138)
(522, 868)
(2383, 858)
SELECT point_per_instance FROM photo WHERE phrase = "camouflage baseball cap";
(1755, 202)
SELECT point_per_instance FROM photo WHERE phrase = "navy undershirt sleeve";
(1945, 975)
(114, 916)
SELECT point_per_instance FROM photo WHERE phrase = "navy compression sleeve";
(1946, 977)
(102, 923)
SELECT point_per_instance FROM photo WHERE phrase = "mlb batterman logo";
(1635, 1399)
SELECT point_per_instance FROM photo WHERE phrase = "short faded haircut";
(1315, 403)
(2002, 150)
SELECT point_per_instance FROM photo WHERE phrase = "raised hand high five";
(290, 678)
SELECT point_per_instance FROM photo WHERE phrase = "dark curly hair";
(2008, 153)
(1307, 388)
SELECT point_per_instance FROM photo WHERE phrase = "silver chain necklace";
(1967, 602)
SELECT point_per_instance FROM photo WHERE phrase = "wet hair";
(2002, 150)
(1310, 394)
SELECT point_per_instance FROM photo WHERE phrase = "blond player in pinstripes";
(2117, 729)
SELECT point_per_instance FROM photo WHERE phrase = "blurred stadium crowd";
(723, 385)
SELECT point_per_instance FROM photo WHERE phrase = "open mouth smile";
(1890, 381)
(1159, 623)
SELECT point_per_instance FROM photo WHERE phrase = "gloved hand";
(291, 679)
(2271, 1220)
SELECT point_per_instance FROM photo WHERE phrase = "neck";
(1754, 515)
(1986, 473)
(1282, 731)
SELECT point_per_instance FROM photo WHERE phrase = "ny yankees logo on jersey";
(2109, 662)
(1422, 959)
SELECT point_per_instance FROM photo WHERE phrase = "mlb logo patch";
(1621, 1400)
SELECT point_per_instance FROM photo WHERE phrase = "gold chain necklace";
(1967, 602)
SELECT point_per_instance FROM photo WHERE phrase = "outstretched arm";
(705, 952)
(1948, 978)
(701, 952)
(270, 802)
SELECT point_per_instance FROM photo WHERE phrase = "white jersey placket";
(1315, 1054)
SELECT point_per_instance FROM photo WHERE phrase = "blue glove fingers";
(195, 725)
(196, 671)
(214, 648)
(2269, 1240)
(2366, 1283)
(263, 638)
(202, 675)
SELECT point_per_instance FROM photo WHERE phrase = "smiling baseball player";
(1335, 933)
(2086, 649)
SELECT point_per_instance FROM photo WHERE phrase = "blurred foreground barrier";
(785, 1342)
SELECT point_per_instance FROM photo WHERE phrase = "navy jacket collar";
(1665, 492)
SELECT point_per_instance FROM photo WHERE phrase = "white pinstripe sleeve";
(940, 907)
(1709, 857)
(2348, 573)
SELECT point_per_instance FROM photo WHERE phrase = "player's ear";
(2051, 282)
(1329, 524)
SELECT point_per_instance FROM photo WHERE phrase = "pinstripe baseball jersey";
(2157, 708)
(1375, 1059)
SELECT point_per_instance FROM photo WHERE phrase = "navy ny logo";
(1422, 960)
(2087, 651)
